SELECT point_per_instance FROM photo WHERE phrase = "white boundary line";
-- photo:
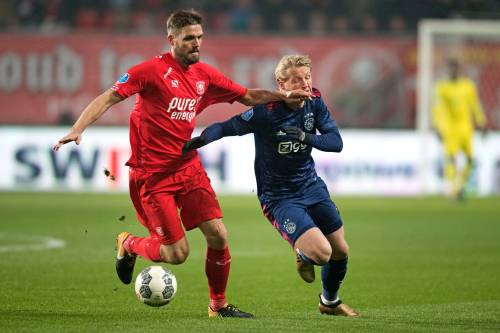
(30, 243)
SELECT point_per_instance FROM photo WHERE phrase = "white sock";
(327, 302)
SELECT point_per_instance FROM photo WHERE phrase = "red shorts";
(158, 197)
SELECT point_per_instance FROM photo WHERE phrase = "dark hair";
(181, 18)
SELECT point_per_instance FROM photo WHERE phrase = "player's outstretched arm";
(214, 132)
(330, 140)
(210, 134)
(261, 96)
(194, 143)
(92, 112)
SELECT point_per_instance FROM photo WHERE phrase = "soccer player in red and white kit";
(171, 90)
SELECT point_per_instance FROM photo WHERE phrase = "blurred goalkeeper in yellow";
(456, 112)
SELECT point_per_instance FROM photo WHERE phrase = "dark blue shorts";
(294, 216)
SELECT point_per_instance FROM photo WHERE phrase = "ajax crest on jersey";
(290, 226)
(309, 124)
(155, 286)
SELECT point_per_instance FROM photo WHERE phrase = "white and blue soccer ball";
(155, 286)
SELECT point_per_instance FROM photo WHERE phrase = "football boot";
(125, 261)
(228, 311)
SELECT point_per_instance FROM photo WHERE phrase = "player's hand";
(297, 134)
(71, 136)
(194, 143)
(297, 95)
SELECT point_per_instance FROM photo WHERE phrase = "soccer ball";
(155, 286)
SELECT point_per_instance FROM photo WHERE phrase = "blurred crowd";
(240, 16)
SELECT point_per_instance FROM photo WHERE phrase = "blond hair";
(290, 61)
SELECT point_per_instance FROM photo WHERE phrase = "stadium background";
(56, 56)
(418, 262)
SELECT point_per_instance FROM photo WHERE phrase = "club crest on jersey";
(123, 78)
(290, 227)
(200, 87)
(159, 231)
(247, 115)
(309, 121)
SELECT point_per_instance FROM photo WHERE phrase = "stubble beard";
(192, 58)
(188, 59)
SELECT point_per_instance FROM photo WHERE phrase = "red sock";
(217, 265)
(146, 247)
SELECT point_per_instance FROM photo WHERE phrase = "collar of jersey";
(177, 64)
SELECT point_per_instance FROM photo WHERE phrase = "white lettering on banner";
(28, 162)
(107, 71)
(39, 68)
(62, 69)
(112, 65)
(69, 72)
(10, 71)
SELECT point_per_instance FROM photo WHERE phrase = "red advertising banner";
(47, 79)
(368, 82)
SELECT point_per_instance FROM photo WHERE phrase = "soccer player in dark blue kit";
(293, 197)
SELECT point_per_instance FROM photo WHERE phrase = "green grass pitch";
(416, 265)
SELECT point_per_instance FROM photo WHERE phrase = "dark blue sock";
(305, 258)
(332, 275)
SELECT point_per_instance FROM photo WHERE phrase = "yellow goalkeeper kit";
(456, 111)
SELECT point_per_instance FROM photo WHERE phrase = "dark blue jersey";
(283, 167)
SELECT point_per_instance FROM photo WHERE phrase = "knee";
(341, 251)
(174, 256)
(178, 257)
(217, 236)
(322, 254)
